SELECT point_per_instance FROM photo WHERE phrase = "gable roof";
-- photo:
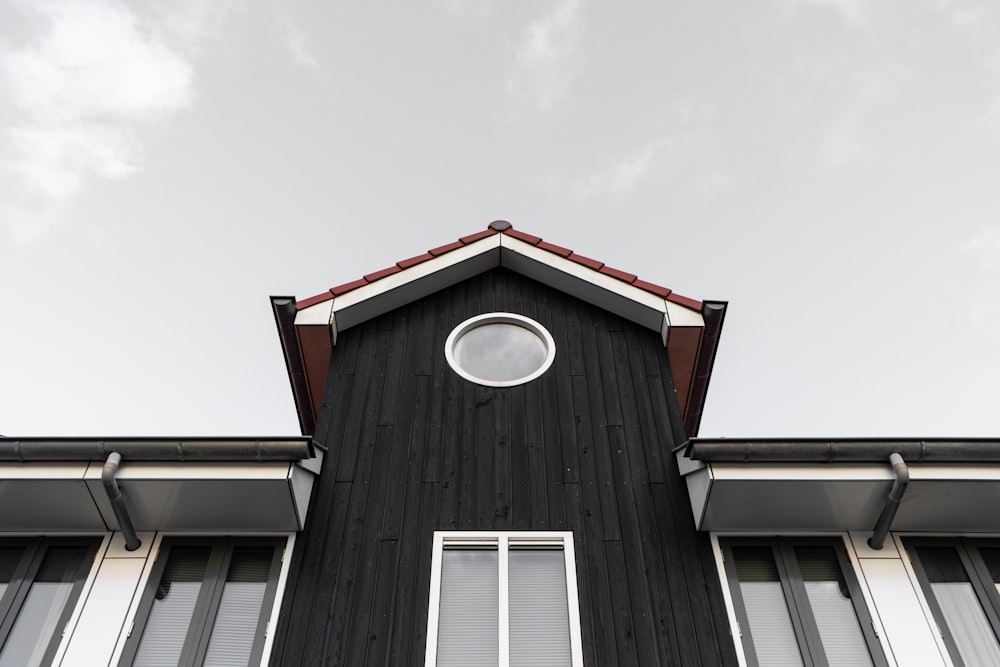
(308, 328)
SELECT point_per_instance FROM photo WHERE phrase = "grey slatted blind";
(829, 598)
(39, 615)
(176, 596)
(236, 621)
(767, 612)
(469, 616)
(539, 609)
(960, 606)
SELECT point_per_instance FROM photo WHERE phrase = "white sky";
(829, 167)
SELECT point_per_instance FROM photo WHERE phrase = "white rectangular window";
(503, 599)
(207, 603)
(798, 603)
(40, 581)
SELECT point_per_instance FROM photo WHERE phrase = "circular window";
(500, 349)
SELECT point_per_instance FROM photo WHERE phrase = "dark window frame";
(986, 592)
(800, 610)
(203, 616)
(35, 550)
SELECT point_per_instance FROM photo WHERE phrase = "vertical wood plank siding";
(413, 448)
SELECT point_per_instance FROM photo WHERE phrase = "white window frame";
(502, 540)
(500, 318)
(285, 545)
(879, 650)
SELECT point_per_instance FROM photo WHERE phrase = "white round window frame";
(500, 318)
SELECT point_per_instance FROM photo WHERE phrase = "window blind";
(770, 624)
(539, 611)
(468, 628)
(174, 603)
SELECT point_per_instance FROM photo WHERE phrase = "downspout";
(110, 480)
(884, 523)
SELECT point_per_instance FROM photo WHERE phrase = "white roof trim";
(422, 279)
(415, 282)
(318, 314)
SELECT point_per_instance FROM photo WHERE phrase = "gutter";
(714, 314)
(28, 450)
(284, 317)
(847, 450)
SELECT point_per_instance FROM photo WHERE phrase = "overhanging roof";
(308, 329)
(841, 484)
(176, 484)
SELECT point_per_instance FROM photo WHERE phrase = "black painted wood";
(413, 448)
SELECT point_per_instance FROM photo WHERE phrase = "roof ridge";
(502, 227)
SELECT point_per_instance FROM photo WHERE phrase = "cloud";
(91, 75)
(297, 42)
(621, 176)
(480, 8)
(687, 151)
(548, 58)
(855, 13)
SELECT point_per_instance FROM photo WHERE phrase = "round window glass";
(500, 349)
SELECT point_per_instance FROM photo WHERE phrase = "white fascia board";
(980, 472)
(787, 472)
(418, 281)
(318, 314)
(201, 471)
(592, 286)
(682, 316)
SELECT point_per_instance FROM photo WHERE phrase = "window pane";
(992, 559)
(169, 618)
(959, 605)
(469, 617)
(239, 610)
(9, 558)
(830, 600)
(38, 618)
(767, 612)
(500, 351)
(539, 610)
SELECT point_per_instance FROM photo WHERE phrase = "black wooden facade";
(413, 448)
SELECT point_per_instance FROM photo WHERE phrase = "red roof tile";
(413, 261)
(347, 287)
(378, 275)
(472, 238)
(527, 238)
(313, 300)
(652, 288)
(557, 249)
(586, 261)
(684, 301)
(448, 247)
(504, 227)
(620, 275)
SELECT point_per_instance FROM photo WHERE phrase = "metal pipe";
(109, 476)
(884, 523)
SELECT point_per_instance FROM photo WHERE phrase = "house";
(500, 466)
